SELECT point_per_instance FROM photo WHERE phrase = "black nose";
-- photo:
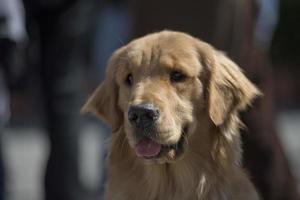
(143, 116)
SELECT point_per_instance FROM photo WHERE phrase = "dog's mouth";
(148, 148)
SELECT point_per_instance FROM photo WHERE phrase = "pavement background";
(25, 154)
(26, 150)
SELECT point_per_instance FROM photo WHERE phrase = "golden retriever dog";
(172, 102)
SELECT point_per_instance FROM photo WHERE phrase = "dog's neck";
(205, 162)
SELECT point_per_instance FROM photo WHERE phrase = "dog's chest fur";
(188, 179)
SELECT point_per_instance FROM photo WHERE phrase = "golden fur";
(207, 102)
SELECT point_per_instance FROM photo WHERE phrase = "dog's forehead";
(165, 50)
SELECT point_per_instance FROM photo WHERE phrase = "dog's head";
(158, 87)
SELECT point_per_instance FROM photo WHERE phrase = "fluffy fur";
(201, 111)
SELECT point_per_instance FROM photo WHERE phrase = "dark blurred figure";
(285, 52)
(232, 26)
(58, 32)
(111, 32)
(271, 170)
(12, 38)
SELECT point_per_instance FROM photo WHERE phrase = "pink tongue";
(147, 148)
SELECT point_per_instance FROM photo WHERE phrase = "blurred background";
(53, 54)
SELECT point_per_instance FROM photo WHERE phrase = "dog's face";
(156, 87)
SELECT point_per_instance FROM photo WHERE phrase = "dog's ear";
(228, 89)
(104, 100)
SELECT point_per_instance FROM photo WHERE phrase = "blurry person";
(112, 30)
(57, 34)
(12, 37)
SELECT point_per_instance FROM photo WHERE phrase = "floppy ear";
(104, 101)
(229, 91)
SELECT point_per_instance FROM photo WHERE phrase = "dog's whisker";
(186, 139)
(123, 143)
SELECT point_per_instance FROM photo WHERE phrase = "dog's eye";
(129, 79)
(176, 76)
